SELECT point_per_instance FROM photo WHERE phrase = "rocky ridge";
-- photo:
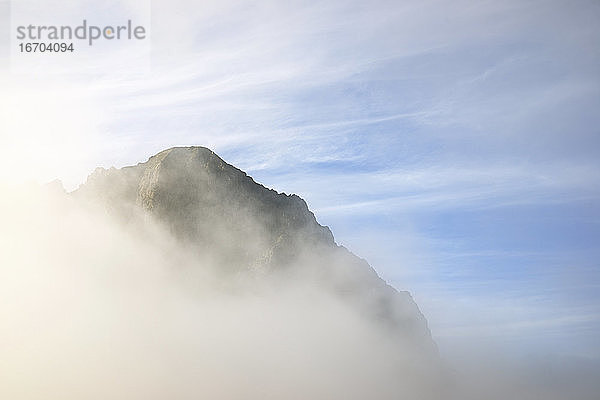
(215, 208)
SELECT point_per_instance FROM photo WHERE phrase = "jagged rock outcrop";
(214, 208)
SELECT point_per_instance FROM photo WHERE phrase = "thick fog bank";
(91, 308)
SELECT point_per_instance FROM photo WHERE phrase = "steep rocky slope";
(218, 211)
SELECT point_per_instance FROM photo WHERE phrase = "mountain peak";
(218, 210)
(187, 151)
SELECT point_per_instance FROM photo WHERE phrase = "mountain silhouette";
(220, 213)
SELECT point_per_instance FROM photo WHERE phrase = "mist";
(91, 307)
(94, 309)
(373, 113)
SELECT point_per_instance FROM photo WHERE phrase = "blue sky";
(454, 145)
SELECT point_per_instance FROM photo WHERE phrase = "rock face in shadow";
(217, 210)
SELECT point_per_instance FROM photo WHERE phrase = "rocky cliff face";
(219, 211)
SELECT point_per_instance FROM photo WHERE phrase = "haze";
(452, 145)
